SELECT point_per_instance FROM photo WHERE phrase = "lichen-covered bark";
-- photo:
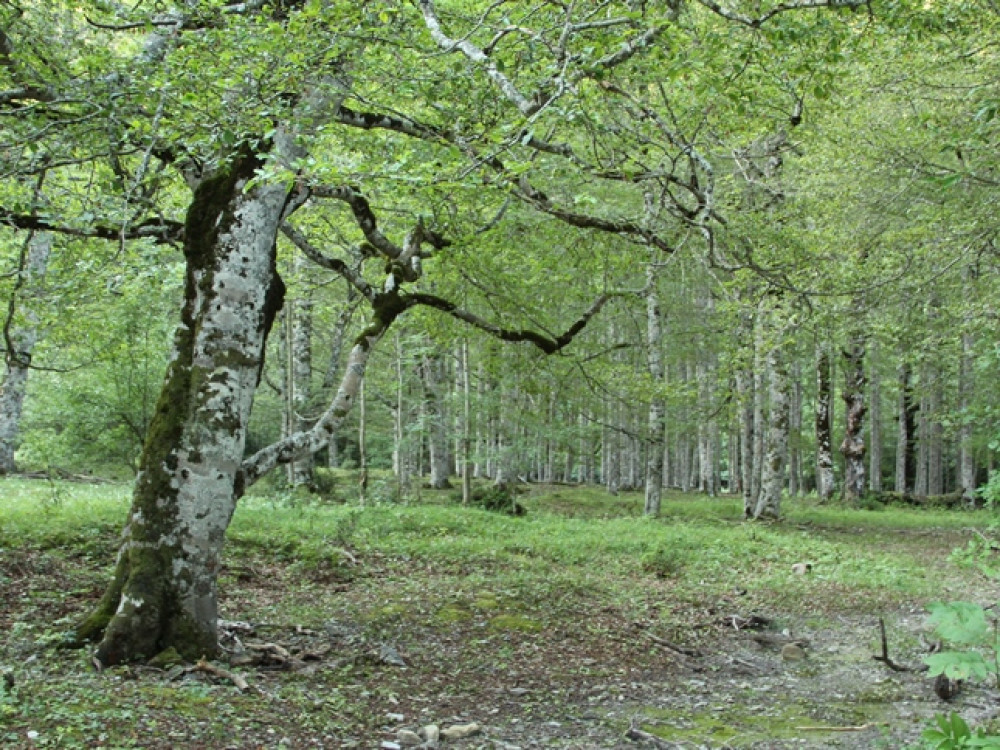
(853, 445)
(302, 469)
(163, 593)
(20, 342)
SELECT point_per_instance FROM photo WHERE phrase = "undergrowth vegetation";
(490, 590)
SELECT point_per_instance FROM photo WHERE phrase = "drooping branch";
(548, 344)
(161, 230)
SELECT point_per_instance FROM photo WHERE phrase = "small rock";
(389, 655)
(406, 737)
(800, 569)
(792, 652)
(518, 691)
(386, 745)
(395, 717)
(460, 731)
(431, 733)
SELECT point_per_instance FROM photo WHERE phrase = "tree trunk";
(433, 380)
(935, 445)
(759, 372)
(163, 593)
(824, 425)
(966, 454)
(466, 427)
(795, 433)
(773, 478)
(875, 429)
(923, 438)
(19, 343)
(853, 445)
(657, 422)
(906, 442)
(301, 470)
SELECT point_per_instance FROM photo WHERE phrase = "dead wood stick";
(672, 646)
(861, 728)
(884, 658)
(205, 666)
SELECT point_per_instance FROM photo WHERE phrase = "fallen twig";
(861, 728)
(884, 658)
(672, 646)
(205, 666)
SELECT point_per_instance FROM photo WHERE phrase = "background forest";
(792, 224)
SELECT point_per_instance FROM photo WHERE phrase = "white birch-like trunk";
(300, 312)
(467, 467)
(22, 335)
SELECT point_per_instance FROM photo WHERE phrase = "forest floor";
(580, 625)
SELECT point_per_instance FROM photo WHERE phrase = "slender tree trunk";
(935, 446)
(966, 453)
(657, 422)
(853, 445)
(759, 373)
(923, 439)
(401, 463)
(906, 442)
(773, 479)
(20, 337)
(163, 591)
(332, 374)
(875, 429)
(300, 312)
(466, 427)
(795, 433)
(362, 446)
(433, 380)
(824, 425)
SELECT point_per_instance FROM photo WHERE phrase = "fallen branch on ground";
(884, 658)
(205, 666)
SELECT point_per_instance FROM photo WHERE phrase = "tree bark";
(301, 470)
(20, 339)
(773, 478)
(163, 591)
(433, 380)
(875, 428)
(657, 422)
(853, 445)
(795, 483)
(966, 452)
(906, 441)
(824, 426)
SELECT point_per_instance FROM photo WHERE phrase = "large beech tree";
(209, 124)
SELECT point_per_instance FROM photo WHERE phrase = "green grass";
(432, 576)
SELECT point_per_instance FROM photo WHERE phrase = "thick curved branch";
(164, 231)
(547, 344)
(363, 214)
(336, 265)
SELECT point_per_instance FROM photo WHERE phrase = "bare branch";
(362, 214)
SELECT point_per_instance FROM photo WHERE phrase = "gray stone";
(792, 652)
(407, 738)
(460, 731)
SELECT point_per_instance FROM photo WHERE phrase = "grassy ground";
(558, 628)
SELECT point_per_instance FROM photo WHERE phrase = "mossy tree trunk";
(776, 458)
(163, 593)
